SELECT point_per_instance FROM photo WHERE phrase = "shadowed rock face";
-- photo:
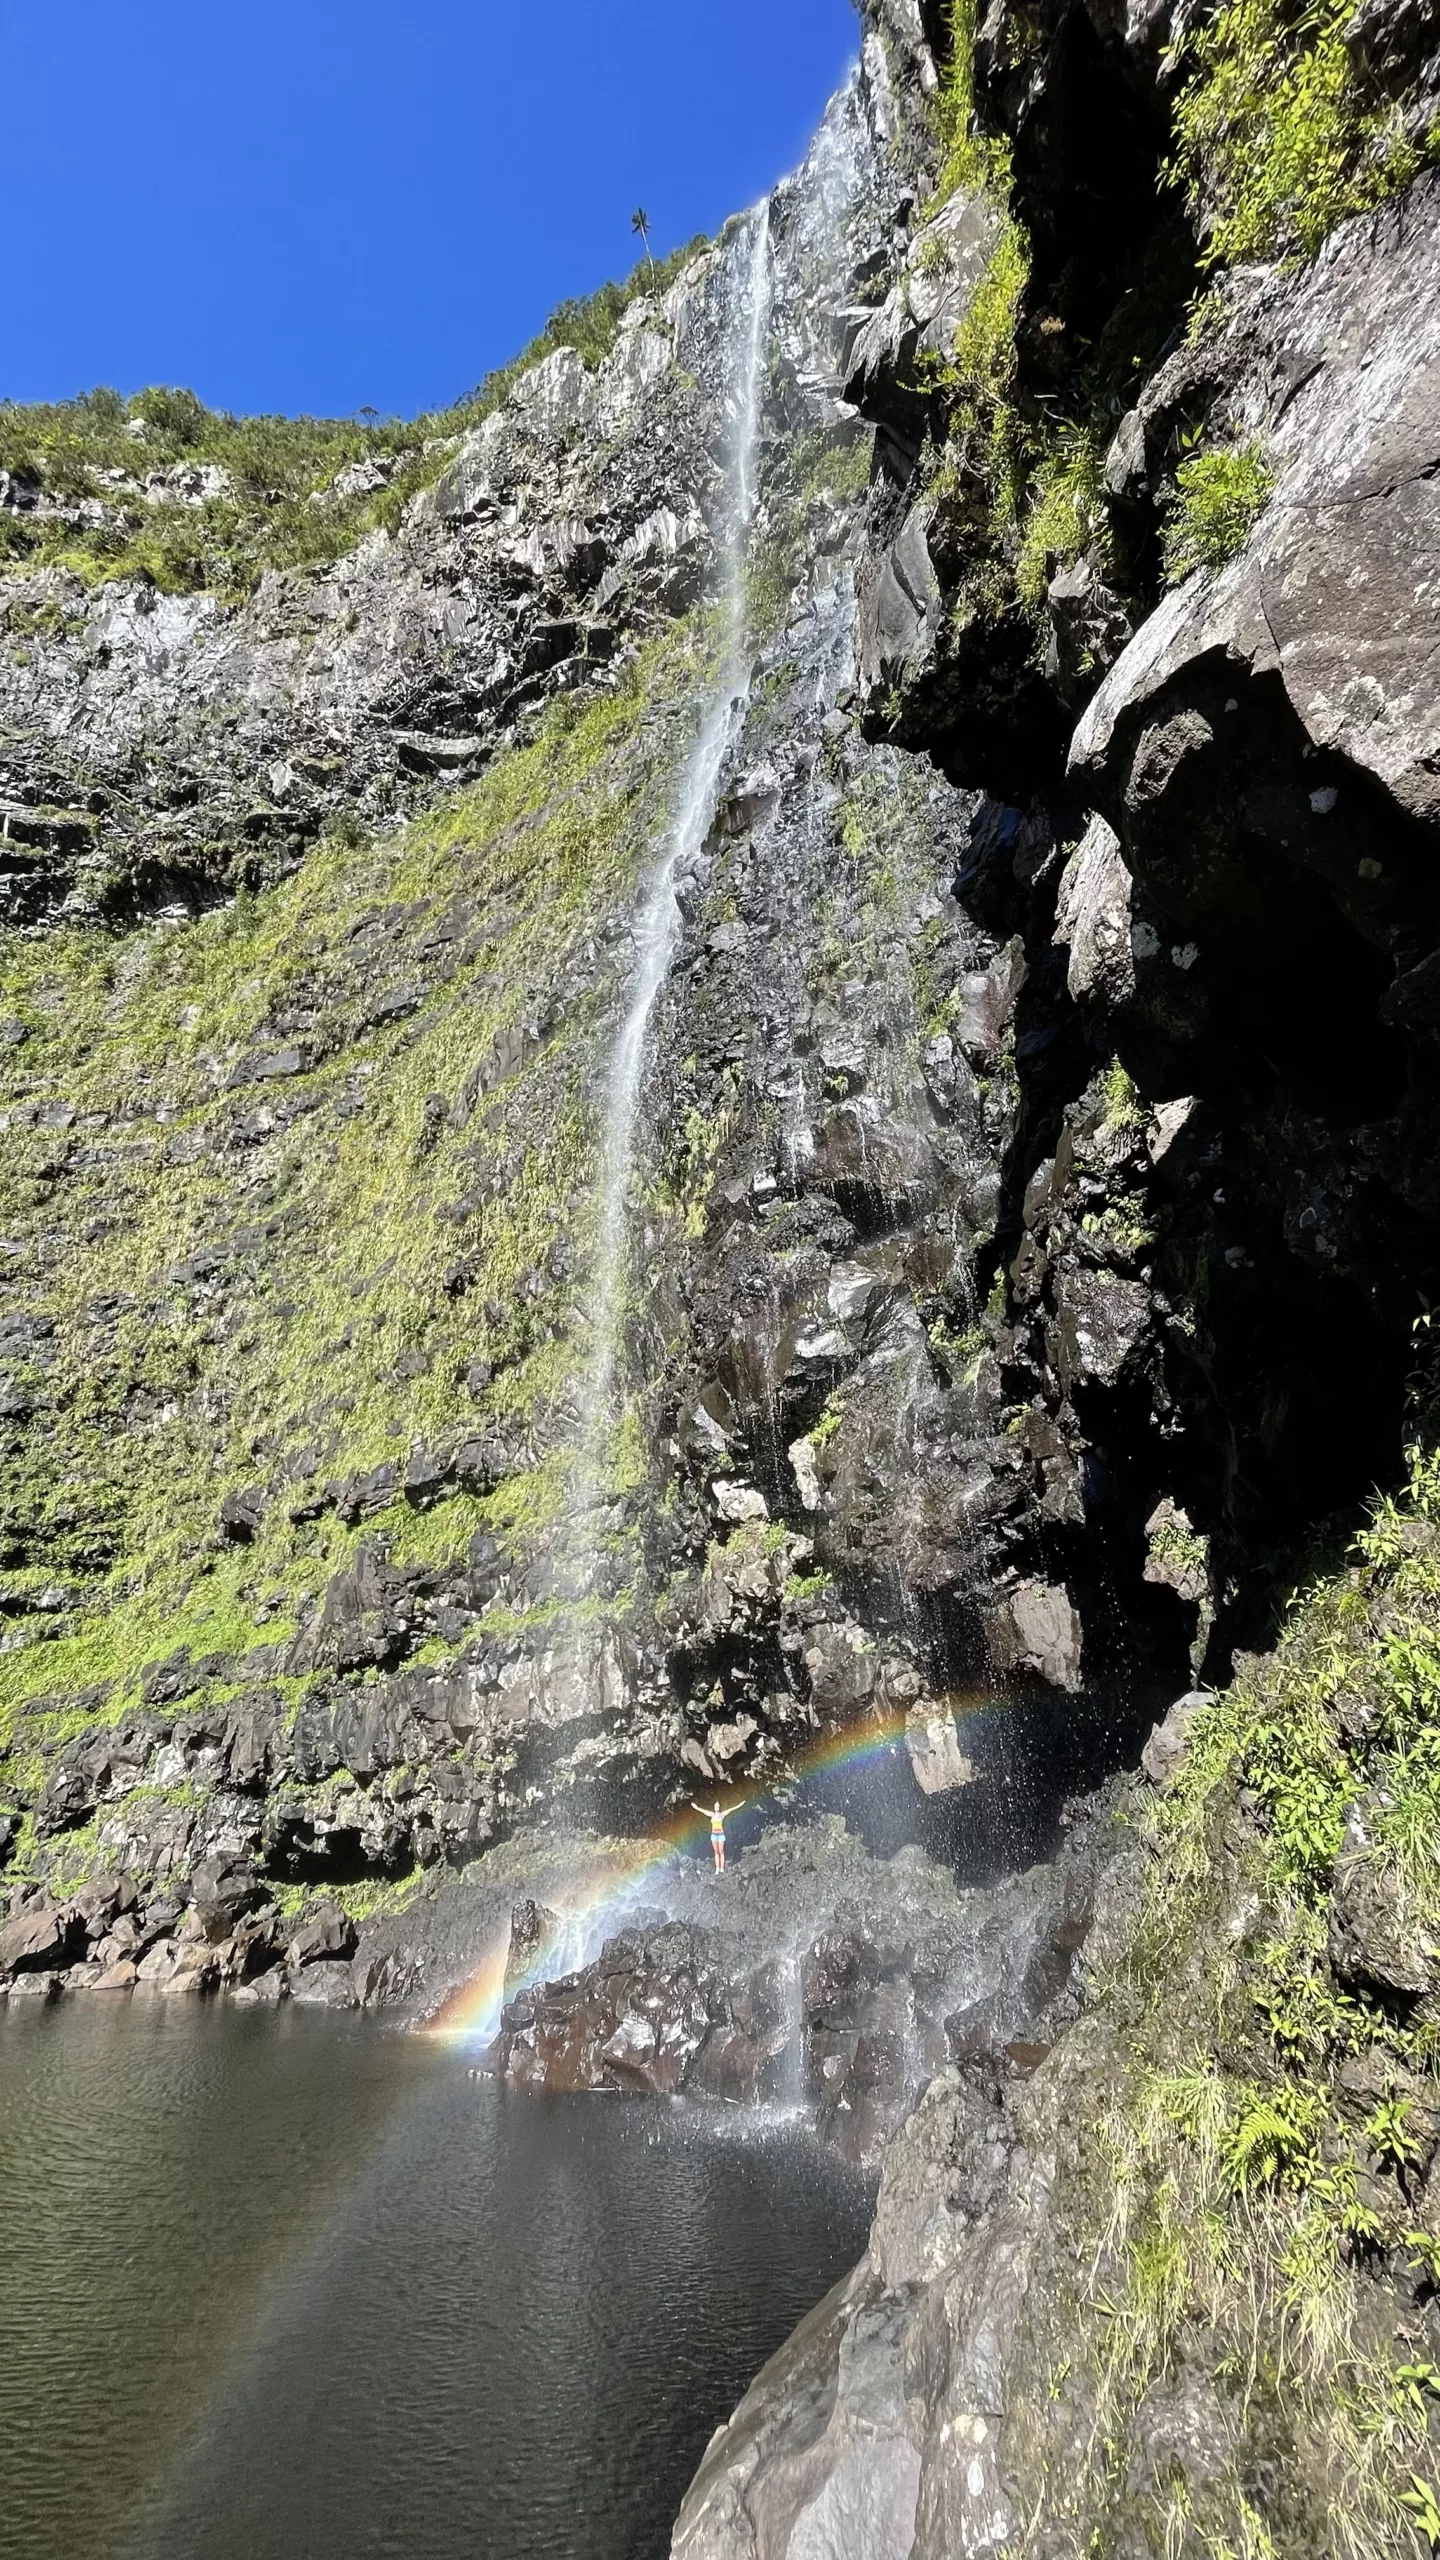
(1213, 1247)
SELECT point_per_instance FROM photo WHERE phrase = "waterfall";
(659, 921)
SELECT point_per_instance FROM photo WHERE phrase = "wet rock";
(266, 1991)
(324, 1986)
(637, 2020)
(943, 2172)
(534, 1934)
(902, 615)
(1264, 747)
(841, 1665)
(37, 1983)
(934, 1750)
(1037, 1629)
(121, 1975)
(822, 2455)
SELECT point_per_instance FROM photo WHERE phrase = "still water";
(296, 2287)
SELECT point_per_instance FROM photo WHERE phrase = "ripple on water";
(273, 2285)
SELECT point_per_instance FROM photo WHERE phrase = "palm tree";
(640, 223)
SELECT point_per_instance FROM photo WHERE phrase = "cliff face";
(1174, 2290)
(1029, 1203)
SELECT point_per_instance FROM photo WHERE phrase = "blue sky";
(294, 204)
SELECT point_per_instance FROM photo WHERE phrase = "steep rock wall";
(1033, 1198)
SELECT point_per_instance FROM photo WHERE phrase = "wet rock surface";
(812, 1976)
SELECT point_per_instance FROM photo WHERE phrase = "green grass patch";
(293, 1310)
(1254, 2164)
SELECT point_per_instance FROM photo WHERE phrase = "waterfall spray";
(658, 927)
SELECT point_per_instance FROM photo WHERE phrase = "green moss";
(829, 1423)
(808, 1586)
(387, 1253)
(1066, 515)
(971, 158)
(373, 1899)
(984, 442)
(1276, 136)
(1219, 496)
(1121, 1104)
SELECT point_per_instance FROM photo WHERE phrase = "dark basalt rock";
(36, 1938)
(810, 1973)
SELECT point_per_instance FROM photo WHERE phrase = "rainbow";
(592, 1909)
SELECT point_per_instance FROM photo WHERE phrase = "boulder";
(1036, 1628)
(1165, 1751)
(327, 1937)
(34, 1939)
(1378, 1939)
(242, 1513)
(939, 1764)
(534, 1934)
(1256, 721)
(1092, 918)
(322, 1986)
(179, 1967)
(221, 1888)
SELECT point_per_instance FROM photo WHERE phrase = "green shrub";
(1276, 138)
(971, 159)
(1218, 497)
(1067, 513)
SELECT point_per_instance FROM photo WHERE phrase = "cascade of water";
(659, 921)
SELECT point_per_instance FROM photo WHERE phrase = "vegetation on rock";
(160, 487)
(1255, 2218)
(253, 1168)
(1219, 495)
(1277, 136)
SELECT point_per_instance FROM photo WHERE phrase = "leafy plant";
(1421, 2499)
(1218, 498)
(1067, 513)
(972, 159)
(1392, 2137)
(1276, 138)
(1272, 2137)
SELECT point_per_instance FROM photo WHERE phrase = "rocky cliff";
(1029, 1205)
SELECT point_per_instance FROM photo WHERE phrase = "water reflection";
(275, 2286)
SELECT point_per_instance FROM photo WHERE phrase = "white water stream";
(658, 925)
